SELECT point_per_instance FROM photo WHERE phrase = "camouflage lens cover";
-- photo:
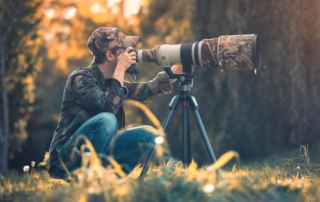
(231, 52)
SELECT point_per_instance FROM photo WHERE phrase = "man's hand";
(176, 69)
(125, 60)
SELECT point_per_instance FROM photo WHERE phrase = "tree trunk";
(5, 116)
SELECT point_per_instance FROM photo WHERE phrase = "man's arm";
(148, 90)
(125, 59)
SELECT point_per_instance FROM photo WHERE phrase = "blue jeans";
(127, 148)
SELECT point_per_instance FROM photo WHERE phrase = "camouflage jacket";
(86, 94)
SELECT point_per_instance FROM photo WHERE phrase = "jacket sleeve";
(148, 90)
(89, 95)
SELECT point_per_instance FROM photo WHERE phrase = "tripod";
(186, 101)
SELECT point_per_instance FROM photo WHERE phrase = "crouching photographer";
(92, 105)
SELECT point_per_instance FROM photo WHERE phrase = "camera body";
(133, 68)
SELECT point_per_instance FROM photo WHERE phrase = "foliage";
(21, 62)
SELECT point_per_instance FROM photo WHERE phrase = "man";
(92, 105)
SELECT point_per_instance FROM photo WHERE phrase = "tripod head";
(185, 78)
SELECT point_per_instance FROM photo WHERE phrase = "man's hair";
(98, 59)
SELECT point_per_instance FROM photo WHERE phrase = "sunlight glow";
(115, 10)
(71, 12)
(159, 140)
(208, 188)
(50, 13)
(132, 7)
(96, 8)
(112, 3)
(48, 36)
(209, 169)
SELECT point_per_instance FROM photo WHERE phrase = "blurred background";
(257, 115)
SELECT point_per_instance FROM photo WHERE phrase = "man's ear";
(108, 55)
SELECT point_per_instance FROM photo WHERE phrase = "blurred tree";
(18, 25)
(4, 122)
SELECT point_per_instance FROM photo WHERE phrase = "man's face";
(116, 54)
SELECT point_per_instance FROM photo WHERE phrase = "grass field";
(274, 179)
(290, 176)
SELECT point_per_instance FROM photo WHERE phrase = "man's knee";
(108, 120)
(106, 117)
(149, 134)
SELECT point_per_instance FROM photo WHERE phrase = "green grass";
(283, 179)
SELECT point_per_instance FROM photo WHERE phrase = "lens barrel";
(229, 52)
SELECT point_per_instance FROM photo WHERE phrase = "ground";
(292, 177)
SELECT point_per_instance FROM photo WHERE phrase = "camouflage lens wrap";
(149, 55)
(209, 53)
(235, 52)
(231, 52)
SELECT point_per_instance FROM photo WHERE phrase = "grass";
(290, 179)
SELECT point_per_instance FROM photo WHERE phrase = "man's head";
(108, 39)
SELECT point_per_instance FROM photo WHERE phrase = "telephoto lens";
(229, 52)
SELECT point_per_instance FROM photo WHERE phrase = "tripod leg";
(194, 107)
(172, 106)
(186, 155)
